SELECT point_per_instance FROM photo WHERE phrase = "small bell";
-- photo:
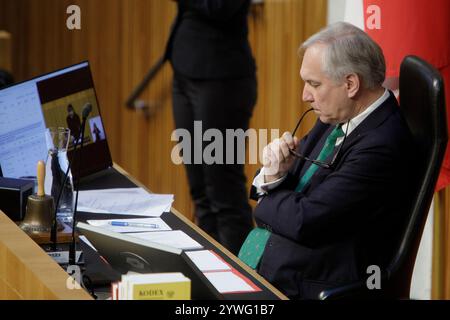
(40, 208)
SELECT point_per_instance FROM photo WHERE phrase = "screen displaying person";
(73, 122)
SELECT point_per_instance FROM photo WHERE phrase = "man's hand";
(277, 159)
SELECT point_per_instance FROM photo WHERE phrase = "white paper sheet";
(106, 224)
(132, 201)
(228, 282)
(205, 260)
(176, 238)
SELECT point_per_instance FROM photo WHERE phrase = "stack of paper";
(132, 201)
(150, 229)
(230, 282)
(223, 277)
(155, 286)
(207, 261)
(176, 238)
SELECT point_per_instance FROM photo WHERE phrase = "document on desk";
(131, 225)
(206, 261)
(230, 282)
(175, 238)
(222, 276)
(132, 201)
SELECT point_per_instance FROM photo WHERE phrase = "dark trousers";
(218, 190)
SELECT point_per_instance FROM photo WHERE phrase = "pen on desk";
(133, 224)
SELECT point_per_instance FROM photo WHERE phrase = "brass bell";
(40, 209)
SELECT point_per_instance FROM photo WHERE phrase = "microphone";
(53, 233)
(72, 249)
(86, 111)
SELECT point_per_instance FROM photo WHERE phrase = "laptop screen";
(52, 100)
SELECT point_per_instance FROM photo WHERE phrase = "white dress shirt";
(262, 187)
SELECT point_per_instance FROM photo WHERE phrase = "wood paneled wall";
(277, 28)
(122, 39)
(441, 245)
(5, 50)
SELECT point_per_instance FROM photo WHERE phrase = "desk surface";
(101, 272)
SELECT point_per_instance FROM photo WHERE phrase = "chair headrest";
(422, 103)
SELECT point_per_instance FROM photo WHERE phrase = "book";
(154, 286)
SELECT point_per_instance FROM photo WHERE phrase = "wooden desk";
(217, 245)
(27, 272)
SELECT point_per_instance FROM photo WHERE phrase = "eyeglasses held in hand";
(326, 165)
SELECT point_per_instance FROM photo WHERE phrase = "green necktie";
(326, 151)
(253, 247)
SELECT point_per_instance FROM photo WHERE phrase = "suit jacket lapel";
(373, 120)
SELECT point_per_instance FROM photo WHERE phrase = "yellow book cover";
(162, 291)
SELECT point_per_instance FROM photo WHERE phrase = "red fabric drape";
(419, 28)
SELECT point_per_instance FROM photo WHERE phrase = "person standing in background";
(73, 122)
(215, 83)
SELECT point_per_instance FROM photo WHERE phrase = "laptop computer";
(55, 99)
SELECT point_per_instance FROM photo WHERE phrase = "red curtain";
(414, 27)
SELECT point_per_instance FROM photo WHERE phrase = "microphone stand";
(72, 248)
(53, 233)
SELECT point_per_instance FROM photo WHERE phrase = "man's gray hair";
(349, 50)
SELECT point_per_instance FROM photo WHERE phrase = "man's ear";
(352, 83)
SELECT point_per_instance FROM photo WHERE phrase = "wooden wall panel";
(5, 51)
(277, 28)
(441, 248)
(445, 243)
(122, 39)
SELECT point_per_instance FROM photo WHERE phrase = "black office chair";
(423, 105)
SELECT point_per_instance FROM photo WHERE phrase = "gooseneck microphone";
(53, 233)
(72, 249)
(86, 111)
(53, 237)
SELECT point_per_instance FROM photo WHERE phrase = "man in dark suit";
(215, 83)
(333, 204)
(73, 122)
